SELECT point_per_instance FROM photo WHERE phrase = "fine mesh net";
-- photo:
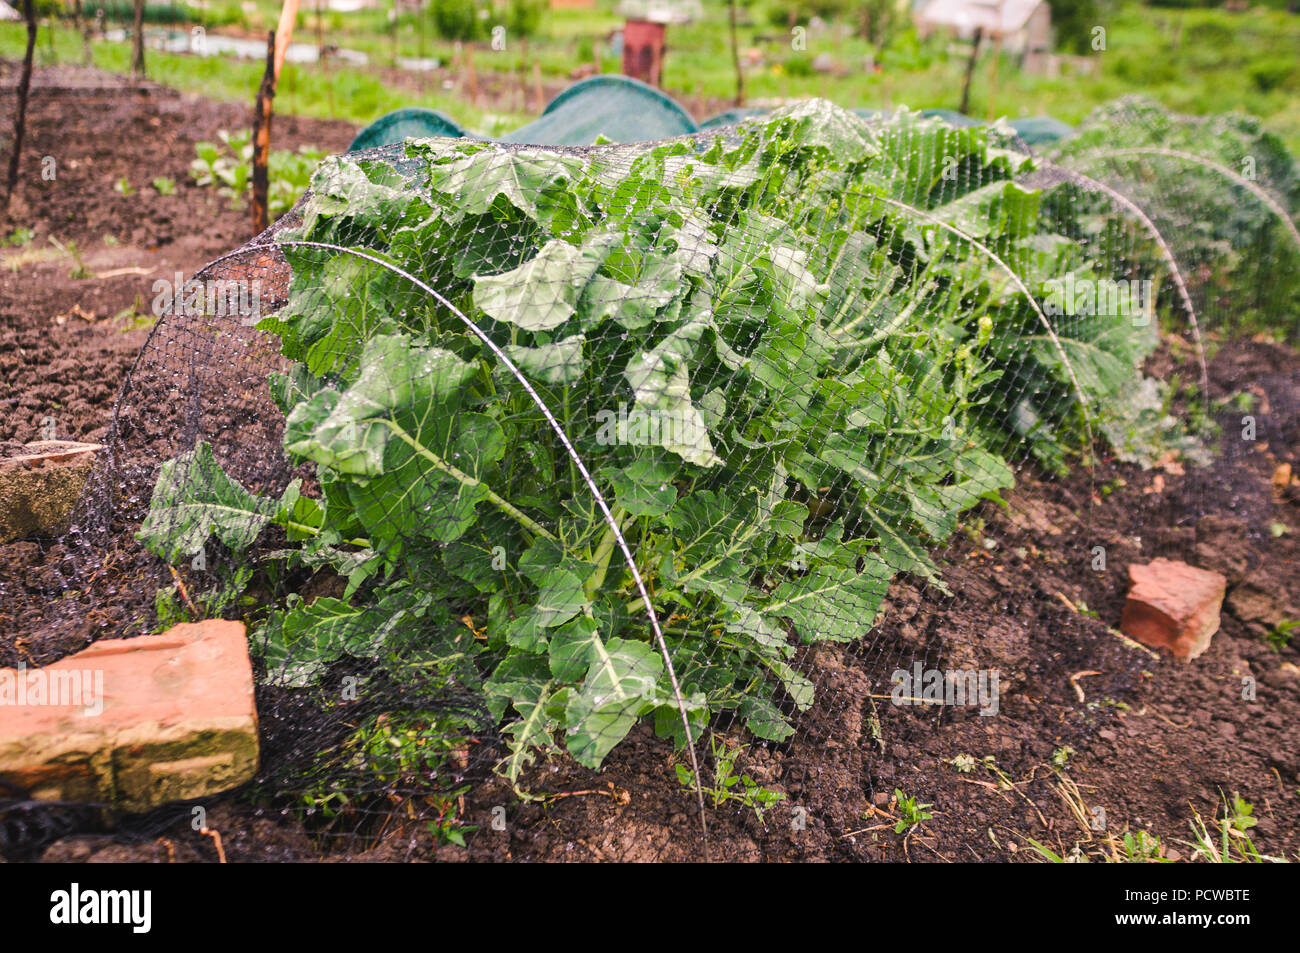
(648, 474)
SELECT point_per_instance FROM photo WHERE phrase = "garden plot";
(664, 461)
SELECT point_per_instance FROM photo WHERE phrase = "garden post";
(262, 139)
(137, 41)
(20, 113)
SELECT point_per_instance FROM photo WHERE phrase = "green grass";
(1197, 61)
(304, 89)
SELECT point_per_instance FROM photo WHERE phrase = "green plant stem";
(460, 476)
(901, 319)
(601, 557)
(634, 604)
(315, 531)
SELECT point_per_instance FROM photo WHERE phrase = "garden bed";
(1152, 739)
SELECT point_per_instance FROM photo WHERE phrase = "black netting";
(651, 474)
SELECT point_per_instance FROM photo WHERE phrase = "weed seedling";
(910, 812)
(79, 271)
(1232, 845)
(727, 785)
(1061, 757)
(1139, 848)
(963, 763)
(1075, 856)
(446, 828)
(1280, 635)
(133, 318)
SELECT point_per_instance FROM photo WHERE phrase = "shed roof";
(993, 17)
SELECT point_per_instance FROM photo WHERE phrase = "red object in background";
(643, 51)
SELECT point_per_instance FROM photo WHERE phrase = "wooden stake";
(324, 63)
(137, 42)
(421, 52)
(970, 69)
(735, 56)
(394, 34)
(262, 140)
(20, 114)
(277, 46)
(471, 78)
(993, 81)
(284, 33)
(83, 28)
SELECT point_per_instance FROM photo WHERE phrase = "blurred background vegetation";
(1194, 56)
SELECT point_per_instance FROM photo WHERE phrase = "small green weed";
(727, 785)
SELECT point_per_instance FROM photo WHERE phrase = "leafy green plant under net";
(1219, 188)
(789, 358)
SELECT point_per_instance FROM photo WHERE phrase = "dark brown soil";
(71, 323)
(1085, 719)
(76, 300)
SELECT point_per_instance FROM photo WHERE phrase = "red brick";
(1173, 606)
(177, 720)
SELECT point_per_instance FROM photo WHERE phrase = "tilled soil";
(76, 300)
(1093, 737)
(73, 320)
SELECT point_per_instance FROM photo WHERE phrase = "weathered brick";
(40, 486)
(1173, 606)
(134, 722)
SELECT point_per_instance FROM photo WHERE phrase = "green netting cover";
(1037, 130)
(401, 124)
(619, 108)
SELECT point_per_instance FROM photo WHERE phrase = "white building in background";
(1018, 26)
(662, 11)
